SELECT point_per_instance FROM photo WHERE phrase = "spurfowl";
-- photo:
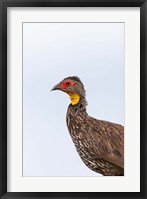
(99, 143)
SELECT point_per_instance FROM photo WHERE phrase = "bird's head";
(73, 87)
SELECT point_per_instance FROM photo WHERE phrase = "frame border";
(3, 96)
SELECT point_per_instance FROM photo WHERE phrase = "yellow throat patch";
(74, 97)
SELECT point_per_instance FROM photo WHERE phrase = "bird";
(99, 143)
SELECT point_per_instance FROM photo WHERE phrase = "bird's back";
(100, 144)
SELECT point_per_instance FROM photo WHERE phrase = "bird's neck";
(75, 98)
(78, 102)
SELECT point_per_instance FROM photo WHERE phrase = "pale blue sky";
(51, 52)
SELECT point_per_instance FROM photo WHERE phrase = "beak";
(56, 87)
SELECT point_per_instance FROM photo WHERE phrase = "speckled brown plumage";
(100, 144)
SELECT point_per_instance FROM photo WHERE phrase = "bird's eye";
(67, 83)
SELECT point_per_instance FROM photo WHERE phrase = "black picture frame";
(4, 4)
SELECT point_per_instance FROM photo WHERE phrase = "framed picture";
(91, 143)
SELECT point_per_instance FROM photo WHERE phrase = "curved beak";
(56, 87)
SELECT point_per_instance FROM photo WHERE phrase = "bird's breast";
(79, 134)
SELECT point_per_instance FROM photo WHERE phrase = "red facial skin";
(66, 83)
